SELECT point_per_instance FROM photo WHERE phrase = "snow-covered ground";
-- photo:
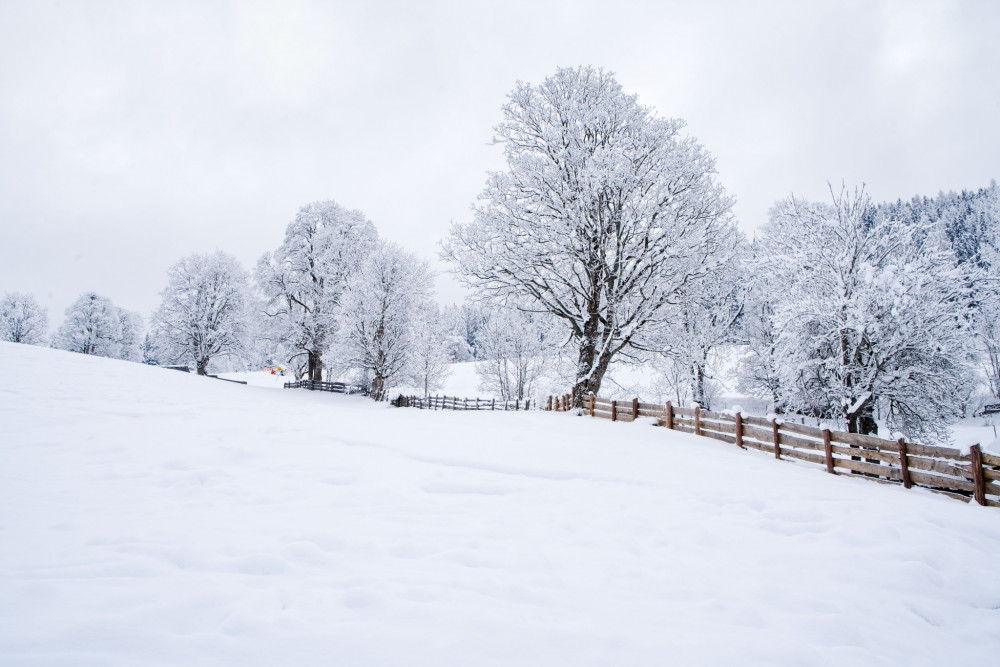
(150, 517)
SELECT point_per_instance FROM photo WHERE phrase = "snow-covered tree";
(514, 346)
(204, 310)
(303, 281)
(760, 368)
(385, 299)
(970, 221)
(987, 292)
(93, 325)
(133, 331)
(871, 316)
(707, 315)
(604, 214)
(22, 320)
(429, 350)
(462, 324)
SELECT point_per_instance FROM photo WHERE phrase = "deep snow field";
(149, 517)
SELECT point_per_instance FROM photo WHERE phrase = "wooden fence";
(335, 387)
(455, 403)
(941, 469)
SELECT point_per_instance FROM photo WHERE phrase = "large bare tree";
(604, 213)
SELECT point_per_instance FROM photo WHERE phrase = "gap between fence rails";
(940, 469)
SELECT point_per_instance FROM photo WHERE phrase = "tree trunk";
(377, 387)
(698, 384)
(315, 366)
(586, 384)
(202, 365)
(863, 421)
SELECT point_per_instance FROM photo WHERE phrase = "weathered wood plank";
(937, 465)
(861, 440)
(991, 459)
(867, 454)
(804, 456)
(925, 479)
(786, 440)
(871, 468)
(766, 443)
(761, 434)
(936, 452)
(964, 497)
(990, 473)
(756, 421)
(753, 444)
(802, 429)
(717, 436)
(719, 427)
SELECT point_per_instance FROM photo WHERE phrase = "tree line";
(606, 238)
(610, 223)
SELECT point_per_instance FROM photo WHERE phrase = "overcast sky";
(134, 133)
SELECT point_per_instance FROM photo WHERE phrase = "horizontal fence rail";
(335, 387)
(225, 379)
(942, 469)
(456, 403)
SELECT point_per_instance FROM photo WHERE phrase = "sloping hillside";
(151, 517)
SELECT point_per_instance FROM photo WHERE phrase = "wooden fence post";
(591, 404)
(697, 420)
(777, 445)
(978, 479)
(635, 408)
(828, 451)
(548, 405)
(739, 431)
(614, 411)
(572, 397)
(670, 415)
(904, 465)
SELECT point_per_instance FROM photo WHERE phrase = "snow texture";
(150, 517)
